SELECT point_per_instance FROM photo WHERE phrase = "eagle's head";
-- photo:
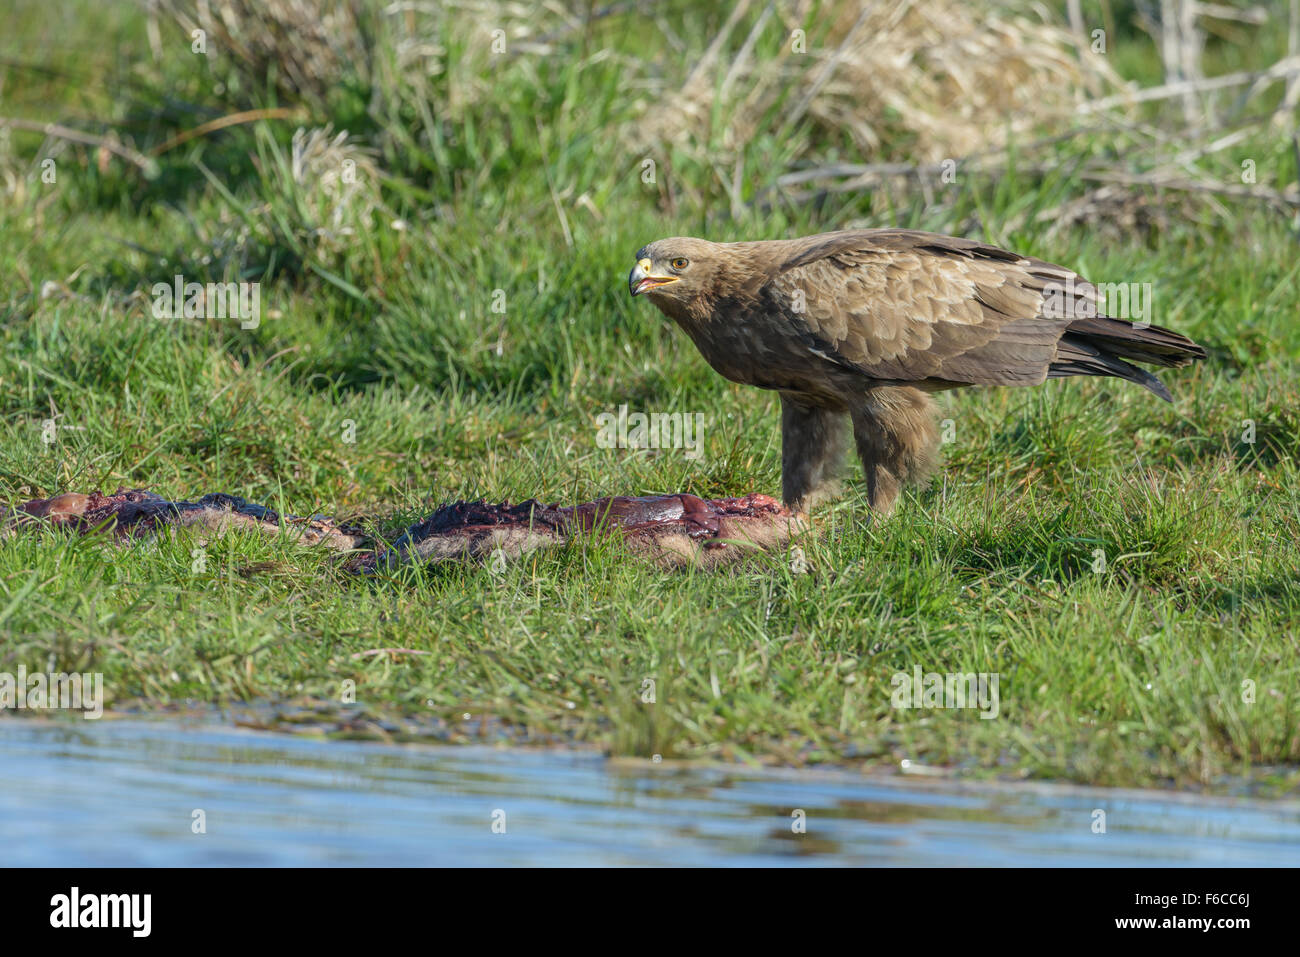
(674, 271)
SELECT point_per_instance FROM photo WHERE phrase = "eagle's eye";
(679, 263)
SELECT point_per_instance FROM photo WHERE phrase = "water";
(124, 792)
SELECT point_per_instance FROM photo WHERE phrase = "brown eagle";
(869, 322)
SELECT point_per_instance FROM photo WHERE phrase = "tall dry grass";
(921, 79)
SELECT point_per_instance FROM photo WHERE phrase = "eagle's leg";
(894, 428)
(812, 444)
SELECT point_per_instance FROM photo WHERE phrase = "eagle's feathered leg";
(894, 428)
(812, 445)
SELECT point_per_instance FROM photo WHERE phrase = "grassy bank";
(445, 314)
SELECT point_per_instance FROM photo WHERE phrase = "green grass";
(1131, 674)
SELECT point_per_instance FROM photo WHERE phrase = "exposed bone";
(133, 513)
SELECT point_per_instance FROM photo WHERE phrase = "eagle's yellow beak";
(641, 280)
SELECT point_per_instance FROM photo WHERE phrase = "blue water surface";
(125, 792)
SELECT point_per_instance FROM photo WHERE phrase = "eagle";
(868, 324)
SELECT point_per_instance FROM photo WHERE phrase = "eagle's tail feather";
(1077, 356)
(1099, 345)
(1149, 344)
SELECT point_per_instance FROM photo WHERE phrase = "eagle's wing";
(900, 305)
(906, 306)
